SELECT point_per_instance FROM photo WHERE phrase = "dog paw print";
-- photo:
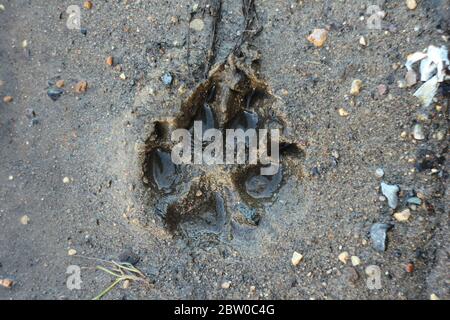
(218, 201)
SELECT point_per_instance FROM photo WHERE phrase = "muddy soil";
(89, 169)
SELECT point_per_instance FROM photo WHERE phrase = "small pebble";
(411, 4)
(24, 220)
(355, 261)
(226, 285)
(296, 258)
(342, 112)
(66, 180)
(197, 24)
(126, 284)
(401, 84)
(54, 93)
(60, 83)
(72, 252)
(318, 37)
(410, 78)
(87, 5)
(440, 135)
(123, 76)
(2, 8)
(418, 132)
(379, 173)
(391, 193)
(356, 87)
(343, 257)
(434, 297)
(382, 89)
(6, 283)
(8, 99)
(81, 86)
(24, 44)
(409, 267)
(378, 235)
(110, 61)
(167, 79)
(403, 215)
(362, 41)
(414, 200)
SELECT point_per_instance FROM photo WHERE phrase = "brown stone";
(81, 87)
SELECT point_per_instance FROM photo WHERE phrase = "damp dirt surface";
(88, 163)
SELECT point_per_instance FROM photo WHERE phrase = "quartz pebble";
(433, 296)
(226, 285)
(411, 4)
(197, 24)
(362, 41)
(379, 173)
(356, 87)
(296, 258)
(403, 215)
(342, 112)
(355, 261)
(72, 252)
(410, 78)
(343, 257)
(318, 37)
(24, 220)
(418, 132)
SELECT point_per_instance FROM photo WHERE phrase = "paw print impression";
(219, 201)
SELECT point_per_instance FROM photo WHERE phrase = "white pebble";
(296, 258)
(379, 173)
(355, 261)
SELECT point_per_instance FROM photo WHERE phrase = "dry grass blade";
(121, 272)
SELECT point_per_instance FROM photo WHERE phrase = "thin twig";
(216, 9)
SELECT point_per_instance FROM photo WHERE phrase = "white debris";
(434, 64)
(413, 58)
(427, 91)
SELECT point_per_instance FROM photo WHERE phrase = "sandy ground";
(329, 197)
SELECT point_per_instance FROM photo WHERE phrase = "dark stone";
(55, 93)
(378, 234)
